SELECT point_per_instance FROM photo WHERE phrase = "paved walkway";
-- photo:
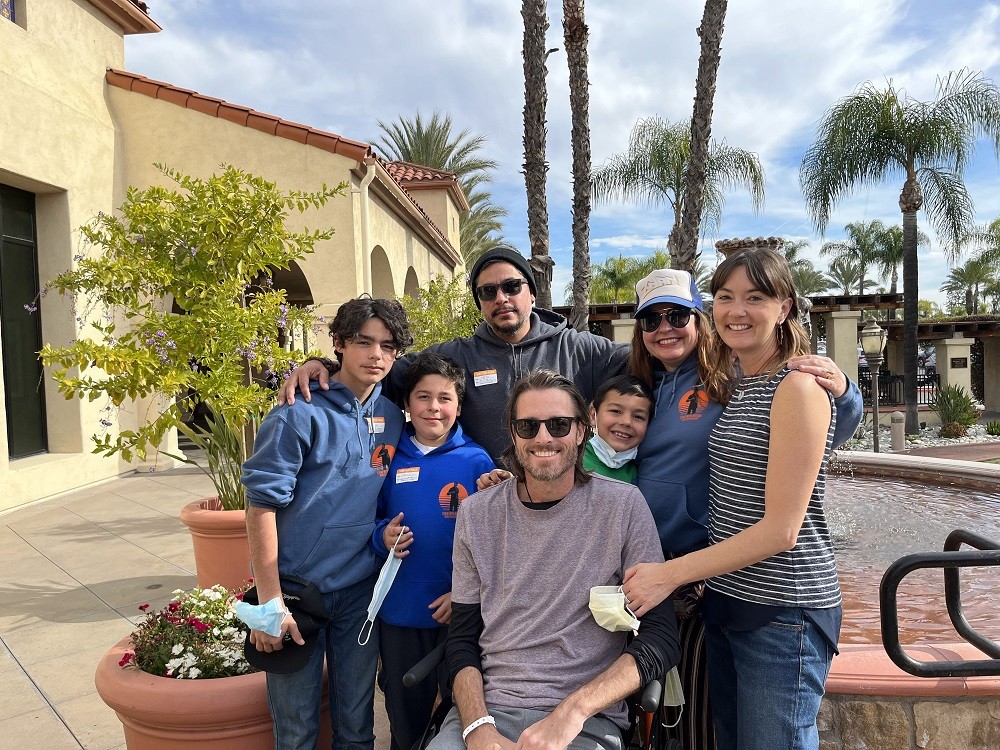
(75, 568)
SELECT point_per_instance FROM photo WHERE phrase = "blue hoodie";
(427, 489)
(673, 457)
(320, 465)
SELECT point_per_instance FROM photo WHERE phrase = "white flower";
(177, 649)
(194, 673)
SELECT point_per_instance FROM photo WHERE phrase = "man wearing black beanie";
(514, 339)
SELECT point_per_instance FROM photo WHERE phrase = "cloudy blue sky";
(340, 66)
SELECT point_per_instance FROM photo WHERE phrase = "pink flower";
(197, 624)
(174, 606)
(125, 660)
(143, 607)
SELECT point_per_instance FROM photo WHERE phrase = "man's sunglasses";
(557, 426)
(510, 287)
(677, 317)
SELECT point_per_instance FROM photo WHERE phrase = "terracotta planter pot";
(161, 713)
(219, 537)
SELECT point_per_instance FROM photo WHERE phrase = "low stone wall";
(871, 704)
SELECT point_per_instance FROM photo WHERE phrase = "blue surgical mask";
(266, 618)
(385, 578)
(609, 456)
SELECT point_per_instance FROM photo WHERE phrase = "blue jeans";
(295, 698)
(766, 684)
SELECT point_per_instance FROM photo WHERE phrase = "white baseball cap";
(666, 285)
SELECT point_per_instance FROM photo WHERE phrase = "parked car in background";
(927, 360)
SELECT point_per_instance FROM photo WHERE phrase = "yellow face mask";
(610, 611)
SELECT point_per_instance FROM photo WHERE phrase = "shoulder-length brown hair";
(716, 384)
(768, 271)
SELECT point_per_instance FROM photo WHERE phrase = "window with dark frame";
(7, 10)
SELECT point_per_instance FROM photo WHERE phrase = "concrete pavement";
(73, 571)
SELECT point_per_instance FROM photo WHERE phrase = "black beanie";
(500, 254)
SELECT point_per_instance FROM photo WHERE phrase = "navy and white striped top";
(804, 576)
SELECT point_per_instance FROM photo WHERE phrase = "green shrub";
(993, 428)
(954, 404)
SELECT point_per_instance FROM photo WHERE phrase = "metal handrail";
(987, 554)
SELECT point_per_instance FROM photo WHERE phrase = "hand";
(298, 380)
(646, 585)
(487, 737)
(824, 369)
(442, 609)
(268, 643)
(393, 531)
(492, 478)
(554, 732)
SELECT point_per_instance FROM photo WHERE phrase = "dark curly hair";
(356, 312)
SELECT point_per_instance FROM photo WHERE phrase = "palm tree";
(969, 280)
(575, 35)
(808, 281)
(861, 245)
(877, 134)
(433, 144)
(844, 272)
(612, 281)
(536, 23)
(710, 32)
(652, 171)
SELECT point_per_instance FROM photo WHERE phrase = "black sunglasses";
(510, 287)
(557, 426)
(677, 317)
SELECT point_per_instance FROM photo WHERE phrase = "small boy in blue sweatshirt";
(312, 489)
(435, 468)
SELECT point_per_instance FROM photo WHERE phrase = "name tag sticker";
(485, 377)
(376, 425)
(408, 474)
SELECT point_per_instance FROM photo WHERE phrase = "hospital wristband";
(476, 724)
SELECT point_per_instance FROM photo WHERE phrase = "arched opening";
(382, 285)
(411, 286)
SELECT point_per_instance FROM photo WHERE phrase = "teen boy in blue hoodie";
(312, 487)
(434, 470)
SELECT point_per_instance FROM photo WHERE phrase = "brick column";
(621, 330)
(842, 340)
(991, 373)
(960, 350)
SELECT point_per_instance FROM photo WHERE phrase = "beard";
(550, 471)
(509, 329)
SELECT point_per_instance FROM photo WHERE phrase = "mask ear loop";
(370, 624)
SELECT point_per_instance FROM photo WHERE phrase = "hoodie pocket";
(338, 548)
(681, 520)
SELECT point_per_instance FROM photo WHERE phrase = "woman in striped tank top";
(772, 605)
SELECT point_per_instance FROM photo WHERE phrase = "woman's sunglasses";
(557, 426)
(510, 287)
(677, 317)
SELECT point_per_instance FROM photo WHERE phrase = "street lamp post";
(872, 339)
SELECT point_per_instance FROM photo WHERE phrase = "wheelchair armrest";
(649, 700)
(419, 671)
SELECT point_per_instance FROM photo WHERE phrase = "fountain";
(911, 507)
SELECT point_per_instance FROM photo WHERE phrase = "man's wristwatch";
(476, 724)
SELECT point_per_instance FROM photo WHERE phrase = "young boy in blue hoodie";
(434, 470)
(312, 488)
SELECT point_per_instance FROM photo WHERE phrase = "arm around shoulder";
(850, 411)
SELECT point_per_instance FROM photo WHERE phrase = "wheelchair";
(647, 729)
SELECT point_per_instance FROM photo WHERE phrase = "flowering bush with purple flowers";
(196, 636)
(175, 299)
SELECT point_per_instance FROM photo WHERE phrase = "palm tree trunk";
(575, 35)
(712, 23)
(894, 283)
(910, 200)
(536, 23)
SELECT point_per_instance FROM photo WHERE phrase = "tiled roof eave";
(239, 115)
(129, 15)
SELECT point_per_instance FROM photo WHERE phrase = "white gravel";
(928, 438)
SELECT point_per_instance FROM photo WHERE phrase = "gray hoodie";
(492, 366)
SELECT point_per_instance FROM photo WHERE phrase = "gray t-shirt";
(531, 572)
